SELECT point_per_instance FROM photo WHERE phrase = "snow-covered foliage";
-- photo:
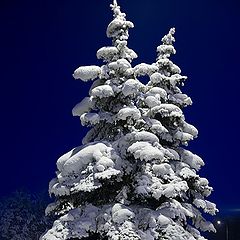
(22, 216)
(87, 73)
(131, 178)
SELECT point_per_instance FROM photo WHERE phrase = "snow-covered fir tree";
(131, 178)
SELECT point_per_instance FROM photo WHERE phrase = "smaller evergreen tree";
(174, 181)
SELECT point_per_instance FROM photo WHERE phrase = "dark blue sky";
(43, 42)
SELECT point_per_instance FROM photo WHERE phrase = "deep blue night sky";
(43, 42)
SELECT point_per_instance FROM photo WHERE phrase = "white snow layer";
(143, 69)
(86, 73)
(207, 206)
(166, 50)
(75, 224)
(82, 107)
(131, 86)
(193, 160)
(174, 69)
(120, 222)
(188, 128)
(81, 168)
(156, 127)
(162, 169)
(145, 151)
(129, 112)
(181, 99)
(157, 92)
(119, 65)
(89, 119)
(75, 160)
(156, 77)
(152, 101)
(167, 110)
(182, 136)
(114, 28)
(102, 91)
(146, 137)
(120, 213)
(107, 53)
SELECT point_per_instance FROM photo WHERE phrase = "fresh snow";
(87, 73)
(83, 107)
(158, 93)
(103, 91)
(121, 214)
(75, 162)
(89, 118)
(119, 65)
(107, 53)
(116, 25)
(131, 86)
(129, 112)
(143, 69)
(145, 151)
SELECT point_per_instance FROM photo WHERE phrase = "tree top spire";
(169, 38)
(116, 10)
(115, 2)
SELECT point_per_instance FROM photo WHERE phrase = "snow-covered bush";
(131, 179)
(22, 216)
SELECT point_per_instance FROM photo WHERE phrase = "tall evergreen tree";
(131, 178)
